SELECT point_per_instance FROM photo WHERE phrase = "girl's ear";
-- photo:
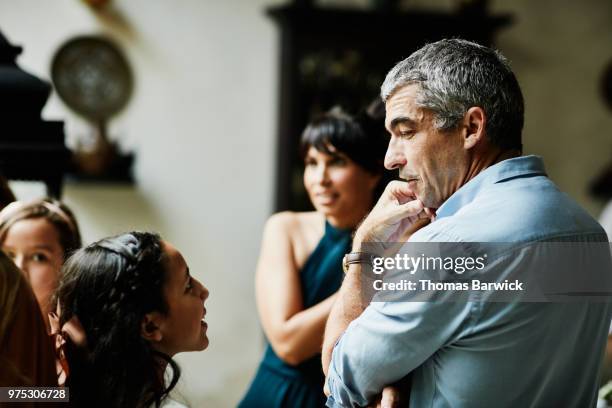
(150, 328)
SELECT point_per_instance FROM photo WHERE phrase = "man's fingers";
(409, 209)
(395, 211)
(431, 213)
(400, 191)
(326, 390)
(390, 397)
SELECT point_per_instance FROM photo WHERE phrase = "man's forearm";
(347, 307)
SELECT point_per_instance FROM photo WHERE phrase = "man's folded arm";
(386, 343)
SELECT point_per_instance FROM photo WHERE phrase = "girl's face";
(34, 245)
(183, 328)
(337, 186)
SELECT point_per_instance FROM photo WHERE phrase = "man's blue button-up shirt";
(479, 354)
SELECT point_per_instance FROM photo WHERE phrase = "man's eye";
(406, 134)
(310, 163)
(338, 162)
(189, 286)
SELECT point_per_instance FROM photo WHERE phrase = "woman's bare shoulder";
(301, 228)
(292, 219)
(299, 232)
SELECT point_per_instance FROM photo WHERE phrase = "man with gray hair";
(454, 110)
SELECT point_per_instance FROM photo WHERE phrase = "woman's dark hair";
(110, 286)
(362, 138)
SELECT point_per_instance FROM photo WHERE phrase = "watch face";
(92, 77)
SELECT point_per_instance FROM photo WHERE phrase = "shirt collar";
(523, 166)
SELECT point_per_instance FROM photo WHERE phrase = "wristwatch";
(356, 258)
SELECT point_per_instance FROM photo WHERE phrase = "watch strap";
(356, 258)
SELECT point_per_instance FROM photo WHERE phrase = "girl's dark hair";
(362, 138)
(109, 286)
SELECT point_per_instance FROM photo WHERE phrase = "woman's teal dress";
(278, 384)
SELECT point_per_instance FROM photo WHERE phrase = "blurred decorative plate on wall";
(94, 79)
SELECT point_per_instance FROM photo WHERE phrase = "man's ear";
(475, 121)
(150, 328)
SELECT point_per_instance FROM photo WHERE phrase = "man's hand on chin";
(393, 217)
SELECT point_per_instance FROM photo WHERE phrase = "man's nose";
(394, 158)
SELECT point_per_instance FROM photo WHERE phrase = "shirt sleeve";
(387, 342)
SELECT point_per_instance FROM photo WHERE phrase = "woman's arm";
(295, 333)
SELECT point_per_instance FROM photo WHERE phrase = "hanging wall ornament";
(94, 79)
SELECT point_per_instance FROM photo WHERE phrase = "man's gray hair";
(455, 75)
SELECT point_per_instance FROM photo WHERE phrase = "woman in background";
(38, 236)
(300, 264)
(127, 304)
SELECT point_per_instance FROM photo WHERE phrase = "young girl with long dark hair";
(127, 304)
